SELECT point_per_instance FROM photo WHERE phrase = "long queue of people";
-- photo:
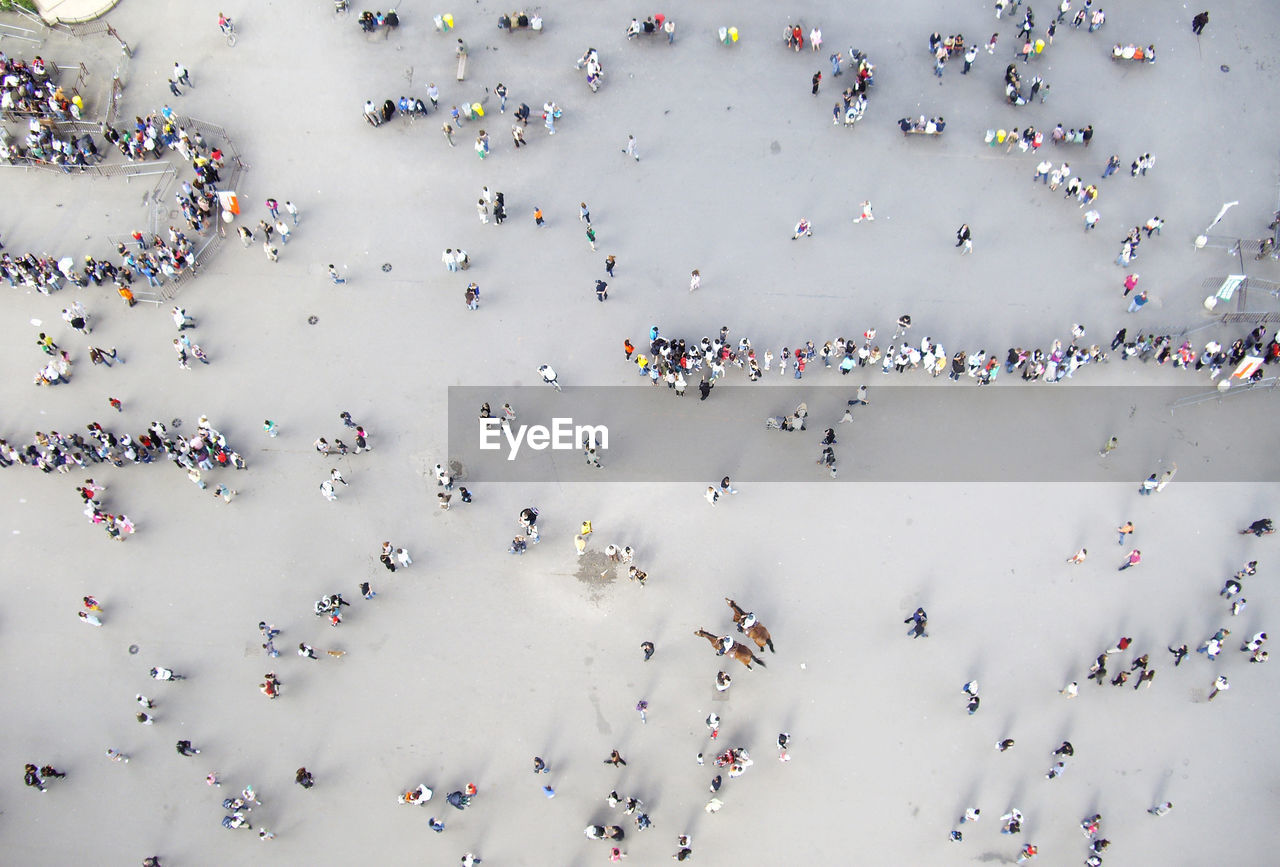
(673, 361)
(159, 257)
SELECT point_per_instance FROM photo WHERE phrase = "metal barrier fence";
(1263, 385)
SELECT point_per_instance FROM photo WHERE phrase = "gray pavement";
(472, 661)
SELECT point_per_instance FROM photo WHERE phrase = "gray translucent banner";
(939, 431)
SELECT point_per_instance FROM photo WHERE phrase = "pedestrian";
(326, 490)
(366, 591)
(647, 648)
(817, 80)
(90, 619)
(1139, 301)
(1004, 745)
(1162, 809)
(711, 495)
(335, 277)
(537, 216)
(1078, 557)
(919, 620)
(273, 254)
(632, 149)
(184, 748)
(609, 262)
(803, 228)
(615, 759)
(539, 766)
(864, 213)
(695, 280)
(591, 239)
(1198, 22)
(1071, 690)
(293, 211)
(1110, 444)
(964, 238)
(549, 376)
(1220, 684)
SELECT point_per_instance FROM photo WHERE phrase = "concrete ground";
(472, 661)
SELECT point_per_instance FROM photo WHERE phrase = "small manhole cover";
(133, 649)
(386, 266)
(177, 422)
(312, 320)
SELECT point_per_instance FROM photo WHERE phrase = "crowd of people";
(670, 361)
(28, 91)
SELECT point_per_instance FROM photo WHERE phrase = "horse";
(740, 652)
(756, 631)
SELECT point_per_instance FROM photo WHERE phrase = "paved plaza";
(471, 662)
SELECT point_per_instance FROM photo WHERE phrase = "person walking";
(549, 376)
(1133, 559)
(1220, 684)
(1198, 22)
(632, 149)
(964, 238)
(337, 279)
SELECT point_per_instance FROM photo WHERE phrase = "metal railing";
(1263, 385)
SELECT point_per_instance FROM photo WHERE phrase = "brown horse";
(740, 652)
(756, 631)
